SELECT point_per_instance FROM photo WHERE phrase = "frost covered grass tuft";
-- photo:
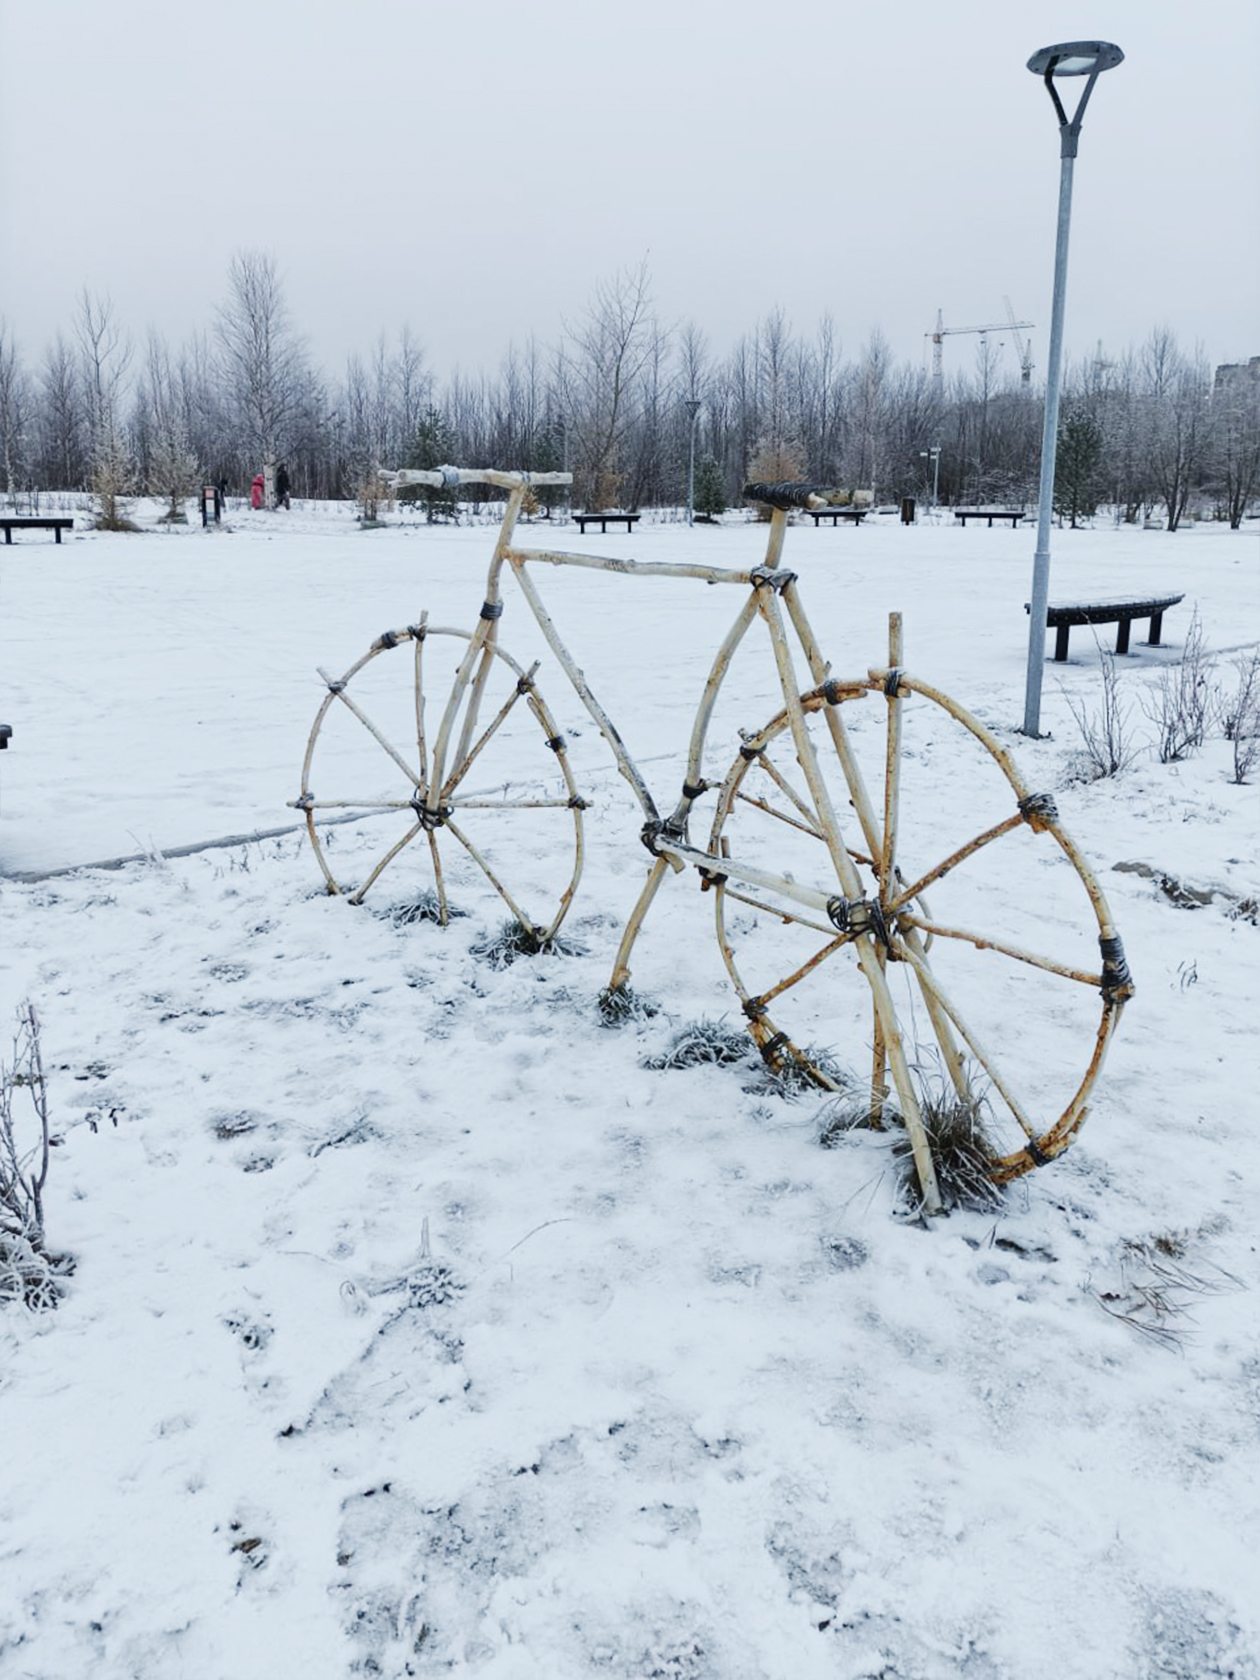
(703, 1044)
(514, 940)
(961, 1152)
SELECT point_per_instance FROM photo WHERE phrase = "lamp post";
(1069, 58)
(692, 405)
(934, 455)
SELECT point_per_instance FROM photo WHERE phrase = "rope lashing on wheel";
(859, 915)
(892, 682)
(418, 632)
(525, 684)
(305, 803)
(430, 817)
(693, 790)
(754, 1008)
(1117, 982)
(773, 1048)
(577, 803)
(386, 639)
(492, 609)
(658, 829)
(834, 692)
(1039, 811)
(710, 878)
(336, 685)
(1036, 1154)
(556, 743)
(748, 752)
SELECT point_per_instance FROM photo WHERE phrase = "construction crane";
(1023, 345)
(943, 332)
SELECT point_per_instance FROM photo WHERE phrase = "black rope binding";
(754, 1008)
(833, 692)
(525, 684)
(749, 753)
(711, 878)
(306, 802)
(858, 915)
(765, 577)
(892, 682)
(1036, 1154)
(577, 803)
(1117, 982)
(693, 790)
(387, 639)
(771, 1048)
(418, 632)
(783, 494)
(336, 685)
(492, 609)
(556, 743)
(1039, 811)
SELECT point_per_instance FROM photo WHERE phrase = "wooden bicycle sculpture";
(820, 856)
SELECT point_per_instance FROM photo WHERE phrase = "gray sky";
(470, 171)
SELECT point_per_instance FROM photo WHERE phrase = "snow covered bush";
(28, 1273)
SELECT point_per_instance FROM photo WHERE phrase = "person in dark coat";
(282, 486)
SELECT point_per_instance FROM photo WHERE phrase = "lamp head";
(1076, 58)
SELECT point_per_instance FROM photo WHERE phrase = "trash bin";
(907, 510)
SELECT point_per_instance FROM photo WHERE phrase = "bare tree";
(611, 345)
(1234, 444)
(15, 398)
(263, 359)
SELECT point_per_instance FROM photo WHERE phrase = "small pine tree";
(1078, 467)
(432, 446)
(710, 496)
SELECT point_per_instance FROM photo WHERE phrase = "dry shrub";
(28, 1272)
(1180, 706)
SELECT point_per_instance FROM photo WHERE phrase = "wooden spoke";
(981, 943)
(490, 876)
(390, 855)
(775, 910)
(378, 737)
(929, 984)
(780, 816)
(908, 894)
(465, 764)
(776, 776)
(421, 745)
(795, 978)
(435, 857)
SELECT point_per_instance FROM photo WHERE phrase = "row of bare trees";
(1151, 430)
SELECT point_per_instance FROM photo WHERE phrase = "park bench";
(1120, 610)
(32, 522)
(1013, 514)
(856, 514)
(604, 520)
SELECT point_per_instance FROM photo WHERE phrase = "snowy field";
(418, 1325)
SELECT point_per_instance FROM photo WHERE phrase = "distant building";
(1236, 377)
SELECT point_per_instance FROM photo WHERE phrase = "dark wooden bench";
(29, 522)
(1013, 514)
(1120, 610)
(857, 515)
(604, 520)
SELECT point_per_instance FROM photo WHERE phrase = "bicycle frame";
(774, 599)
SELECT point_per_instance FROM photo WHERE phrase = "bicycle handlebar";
(446, 478)
(786, 495)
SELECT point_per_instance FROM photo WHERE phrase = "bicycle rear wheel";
(997, 944)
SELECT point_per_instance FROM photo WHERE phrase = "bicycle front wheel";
(500, 811)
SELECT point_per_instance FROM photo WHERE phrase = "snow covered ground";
(419, 1326)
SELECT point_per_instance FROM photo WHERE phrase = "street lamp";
(934, 455)
(1069, 58)
(692, 405)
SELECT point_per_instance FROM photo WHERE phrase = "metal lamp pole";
(692, 405)
(1069, 58)
(933, 455)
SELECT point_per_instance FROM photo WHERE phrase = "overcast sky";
(471, 171)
